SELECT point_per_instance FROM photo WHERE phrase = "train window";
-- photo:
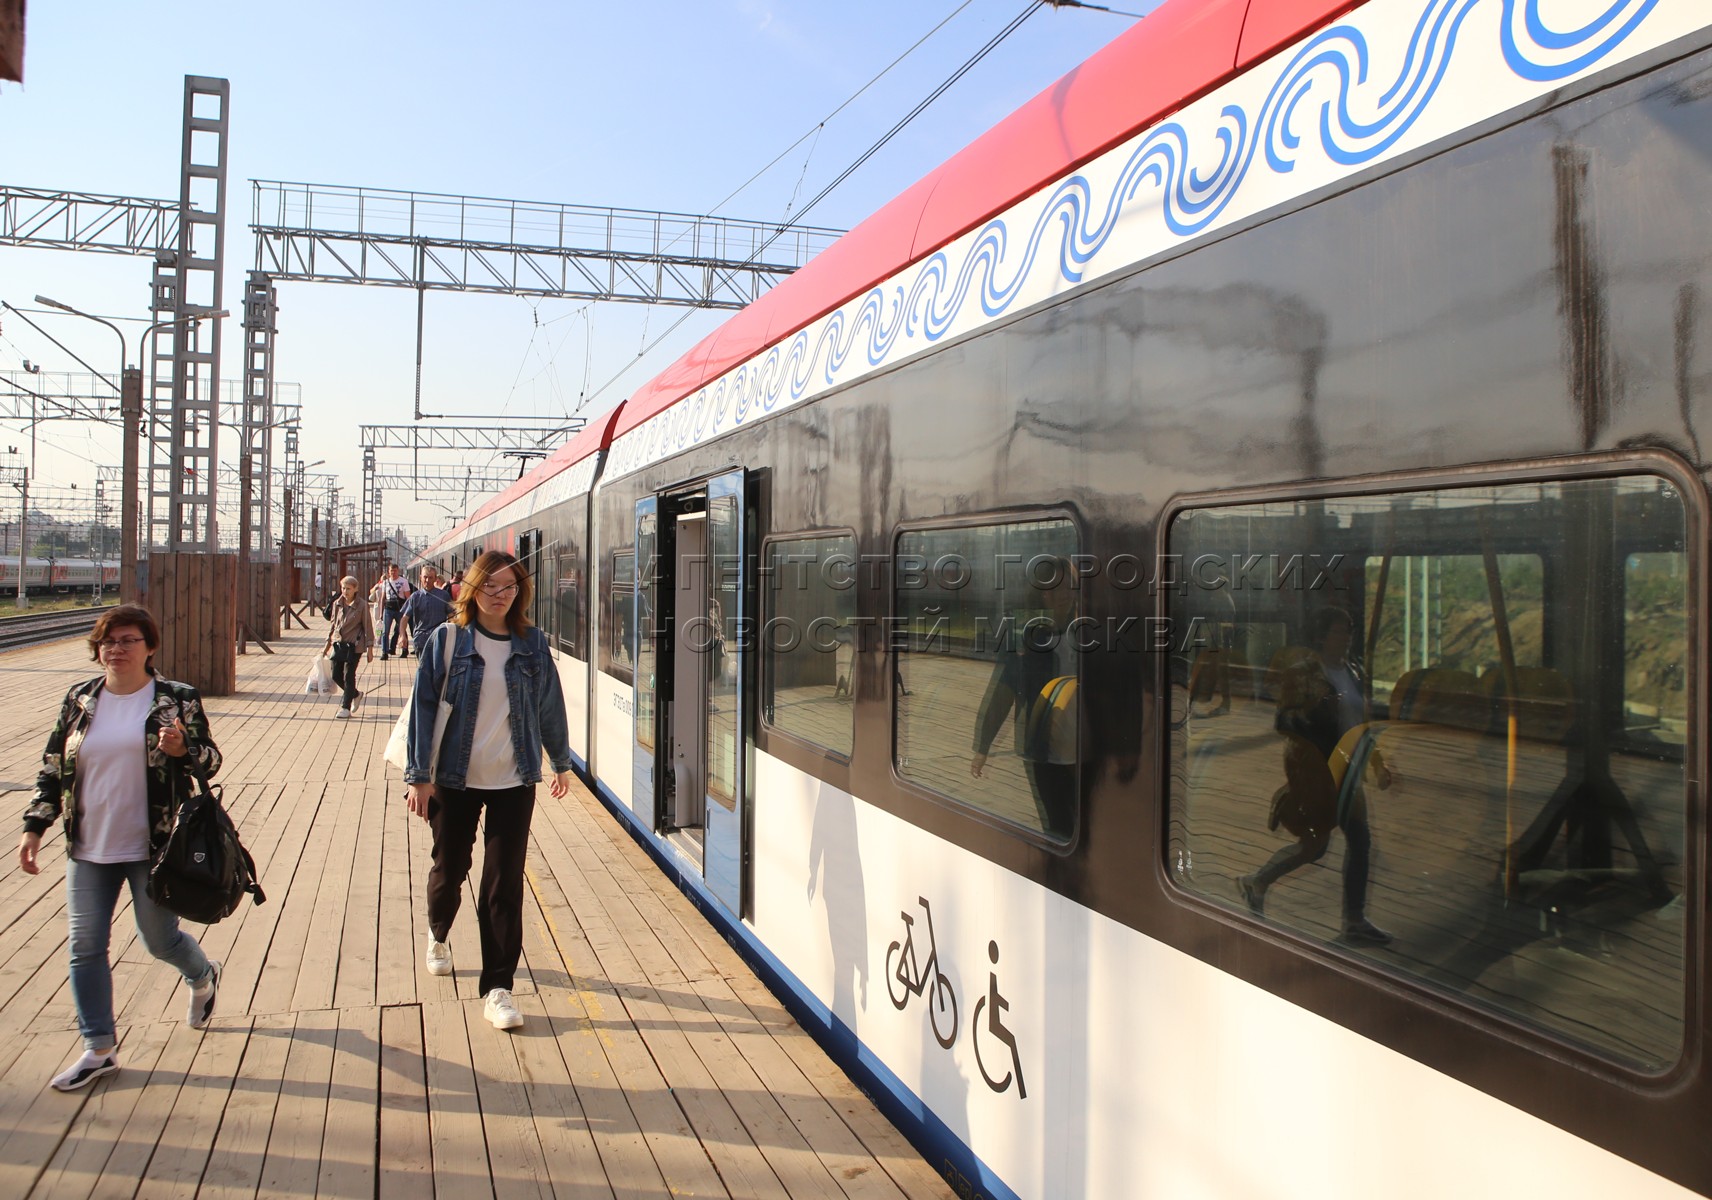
(1443, 730)
(809, 653)
(986, 670)
(566, 589)
(621, 607)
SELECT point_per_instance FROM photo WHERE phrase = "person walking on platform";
(427, 608)
(394, 591)
(506, 704)
(351, 633)
(115, 767)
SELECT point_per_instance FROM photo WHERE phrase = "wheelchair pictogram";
(996, 1004)
(927, 977)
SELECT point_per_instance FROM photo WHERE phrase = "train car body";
(58, 576)
(1179, 646)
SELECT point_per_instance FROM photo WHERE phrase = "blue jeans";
(393, 629)
(91, 895)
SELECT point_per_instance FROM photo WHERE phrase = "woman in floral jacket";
(114, 768)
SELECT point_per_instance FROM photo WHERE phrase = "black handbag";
(203, 872)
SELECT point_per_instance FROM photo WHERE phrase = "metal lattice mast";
(368, 525)
(184, 355)
(260, 309)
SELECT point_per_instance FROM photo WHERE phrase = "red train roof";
(1182, 50)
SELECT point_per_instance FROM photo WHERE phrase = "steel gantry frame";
(426, 479)
(46, 219)
(430, 241)
(86, 396)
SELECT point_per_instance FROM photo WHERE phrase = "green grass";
(9, 604)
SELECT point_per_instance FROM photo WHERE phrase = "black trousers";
(345, 670)
(452, 814)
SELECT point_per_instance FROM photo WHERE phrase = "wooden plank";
(349, 1147)
(615, 1056)
(34, 1117)
(454, 1116)
(406, 1162)
(402, 936)
(617, 1155)
(359, 936)
(317, 976)
(181, 1153)
(80, 1160)
(516, 1161)
(235, 1164)
(136, 1143)
(292, 1165)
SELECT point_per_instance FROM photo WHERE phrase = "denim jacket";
(531, 688)
(56, 798)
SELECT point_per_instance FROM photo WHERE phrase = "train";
(1178, 647)
(58, 576)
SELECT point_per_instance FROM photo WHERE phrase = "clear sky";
(653, 104)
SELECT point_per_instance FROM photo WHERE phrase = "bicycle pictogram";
(941, 1000)
(996, 1004)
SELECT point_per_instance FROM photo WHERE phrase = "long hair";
(464, 608)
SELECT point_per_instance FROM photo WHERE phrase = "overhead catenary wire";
(1015, 24)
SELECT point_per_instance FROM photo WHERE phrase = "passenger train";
(1178, 646)
(58, 576)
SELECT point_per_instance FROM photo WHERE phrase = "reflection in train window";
(621, 607)
(1444, 730)
(986, 680)
(566, 588)
(809, 649)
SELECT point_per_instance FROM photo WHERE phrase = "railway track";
(35, 628)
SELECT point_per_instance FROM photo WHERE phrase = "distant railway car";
(57, 576)
(1179, 645)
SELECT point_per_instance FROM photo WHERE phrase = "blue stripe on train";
(942, 1148)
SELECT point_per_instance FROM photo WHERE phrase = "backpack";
(203, 871)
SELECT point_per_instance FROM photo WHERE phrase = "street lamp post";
(131, 415)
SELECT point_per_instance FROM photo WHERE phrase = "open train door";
(725, 661)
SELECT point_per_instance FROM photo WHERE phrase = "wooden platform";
(652, 1062)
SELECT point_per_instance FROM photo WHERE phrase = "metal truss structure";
(44, 219)
(84, 396)
(491, 438)
(429, 241)
(424, 480)
(440, 479)
(183, 354)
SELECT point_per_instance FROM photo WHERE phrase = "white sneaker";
(202, 999)
(88, 1068)
(500, 1012)
(344, 714)
(439, 957)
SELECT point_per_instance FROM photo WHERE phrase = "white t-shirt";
(493, 762)
(112, 780)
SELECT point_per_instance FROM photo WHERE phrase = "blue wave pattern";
(1323, 74)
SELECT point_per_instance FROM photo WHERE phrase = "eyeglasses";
(120, 643)
(489, 590)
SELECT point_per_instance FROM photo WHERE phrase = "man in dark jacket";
(427, 608)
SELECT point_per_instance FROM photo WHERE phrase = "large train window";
(986, 670)
(1444, 730)
(809, 648)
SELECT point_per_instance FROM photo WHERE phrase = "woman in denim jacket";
(503, 690)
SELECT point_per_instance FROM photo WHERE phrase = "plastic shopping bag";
(320, 676)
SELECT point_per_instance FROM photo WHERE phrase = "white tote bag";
(320, 679)
(398, 742)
